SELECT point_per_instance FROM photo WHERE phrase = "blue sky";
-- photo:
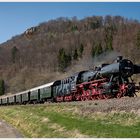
(16, 17)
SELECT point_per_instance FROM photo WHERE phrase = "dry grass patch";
(57, 120)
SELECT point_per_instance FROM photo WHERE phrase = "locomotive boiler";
(122, 67)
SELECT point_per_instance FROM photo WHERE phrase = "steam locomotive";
(103, 82)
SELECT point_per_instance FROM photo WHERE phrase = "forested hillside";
(58, 48)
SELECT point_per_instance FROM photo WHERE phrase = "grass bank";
(70, 121)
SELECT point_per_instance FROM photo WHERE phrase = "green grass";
(69, 121)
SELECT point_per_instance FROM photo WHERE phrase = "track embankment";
(123, 104)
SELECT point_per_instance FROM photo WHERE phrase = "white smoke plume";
(88, 62)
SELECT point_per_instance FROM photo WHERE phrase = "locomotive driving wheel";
(119, 95)
(121, 92)
(93, 97)
(107, 96)
(100, 96)
(82, 98)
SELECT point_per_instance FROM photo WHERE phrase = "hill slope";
(58, 48)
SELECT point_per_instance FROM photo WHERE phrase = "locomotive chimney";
(119, 58)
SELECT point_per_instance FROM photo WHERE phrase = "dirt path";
(7, 131)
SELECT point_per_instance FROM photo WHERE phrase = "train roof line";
(42, 86)
(32, 89)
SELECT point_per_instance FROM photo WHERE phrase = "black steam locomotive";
(103, 82)
(106, 81)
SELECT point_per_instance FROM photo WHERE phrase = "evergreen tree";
(109, 38)
(138, 39)
(97, 49)
(74, 28)
(93, 51)
(75, 55)
(14, 52)
(63, 59)
(94, 25)
(2, 87)
(81, 49)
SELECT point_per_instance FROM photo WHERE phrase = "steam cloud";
(87, 63)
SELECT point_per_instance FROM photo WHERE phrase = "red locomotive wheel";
(89, 97)
(100, 96)
(78, 97)
(94, 97)
(97, 97)
(119, 95)
(106, 96)
(83, 98)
